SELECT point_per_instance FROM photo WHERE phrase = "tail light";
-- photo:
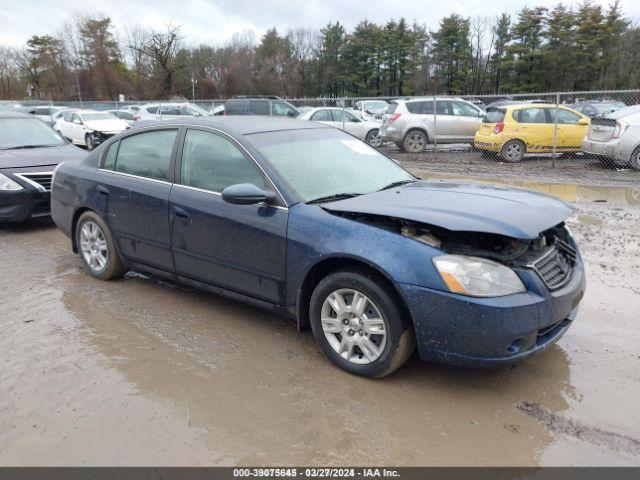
(498, 128)
(394, 117)
(618, 130)
(136, 118)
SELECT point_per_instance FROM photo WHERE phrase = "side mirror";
(246, 194)
(583, 121)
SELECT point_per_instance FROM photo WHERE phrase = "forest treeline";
(537, 50)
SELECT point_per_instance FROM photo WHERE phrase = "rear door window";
(146, 154)
(259, 107)
(322, 116)
(343, 116)
(110, 157)
(236, 107)
(530, 115)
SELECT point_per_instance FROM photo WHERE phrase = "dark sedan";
(304, 219)
(29, 151)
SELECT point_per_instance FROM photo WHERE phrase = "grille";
(554, 268)
(40, 180)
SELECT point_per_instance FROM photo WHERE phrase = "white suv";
(411, 123)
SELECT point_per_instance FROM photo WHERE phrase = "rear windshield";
(494, 116)
(392, 107)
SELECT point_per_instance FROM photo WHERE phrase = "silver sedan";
(347, 121)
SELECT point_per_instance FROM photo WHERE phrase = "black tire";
(373, 138)
(400, 339)
(634, 161)
(415, 141)
(513, 151)
(113, 267)
(89, 141)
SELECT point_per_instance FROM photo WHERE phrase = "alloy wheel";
(415, 142)
(93, 246)
(374, 138)
(354, 326)
(513, 152)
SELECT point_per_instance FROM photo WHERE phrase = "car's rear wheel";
(513, 151)
(360, 325)
(373, 138)
(97, 248)
(90, 141)
(634, 161)
(415, 141)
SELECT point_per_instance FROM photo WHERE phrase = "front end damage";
(486, 332)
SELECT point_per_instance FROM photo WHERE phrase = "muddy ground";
(141, 372)
(461, 161)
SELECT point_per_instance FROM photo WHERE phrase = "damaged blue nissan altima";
(306, 220)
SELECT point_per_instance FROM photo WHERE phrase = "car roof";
(15, 114)
(240, 124)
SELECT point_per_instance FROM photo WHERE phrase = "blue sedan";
(306, 220)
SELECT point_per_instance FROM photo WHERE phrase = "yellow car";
(514, 130)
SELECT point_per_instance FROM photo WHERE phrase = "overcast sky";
(215, 21)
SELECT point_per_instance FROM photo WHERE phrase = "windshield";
(376, 106)
(88, 117)
(325, 161)
(24, 132)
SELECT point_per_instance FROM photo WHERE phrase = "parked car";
(260, 105)
(124, 115)
(515, 130)
(89, 127)
(596, 108)
(46, 113)
(168, 110)
(347, 121)
(370, 110)
(305, 220)
(480, 104)
(29, 151)
(410, 123)
(616, 137)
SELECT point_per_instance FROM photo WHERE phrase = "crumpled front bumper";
(490, 332)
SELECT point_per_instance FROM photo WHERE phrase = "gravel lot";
(141, 372)
(460, 160)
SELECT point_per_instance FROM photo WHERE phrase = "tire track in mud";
(559, 424)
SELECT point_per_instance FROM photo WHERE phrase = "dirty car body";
(279, 248)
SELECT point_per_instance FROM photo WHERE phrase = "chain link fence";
(591, 137)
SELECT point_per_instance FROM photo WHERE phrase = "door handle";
(180, 213)
(102, 190)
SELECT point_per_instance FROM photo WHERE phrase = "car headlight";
(8, 185)
(477, 277)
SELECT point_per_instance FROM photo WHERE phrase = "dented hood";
(463, 207)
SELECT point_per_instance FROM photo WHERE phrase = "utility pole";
(194, 82)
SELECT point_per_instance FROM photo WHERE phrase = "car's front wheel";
(97, 248)
(373, 138)
(90, 141)
(513, 151)
(360, 325)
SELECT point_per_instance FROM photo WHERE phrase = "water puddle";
(569, 192)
